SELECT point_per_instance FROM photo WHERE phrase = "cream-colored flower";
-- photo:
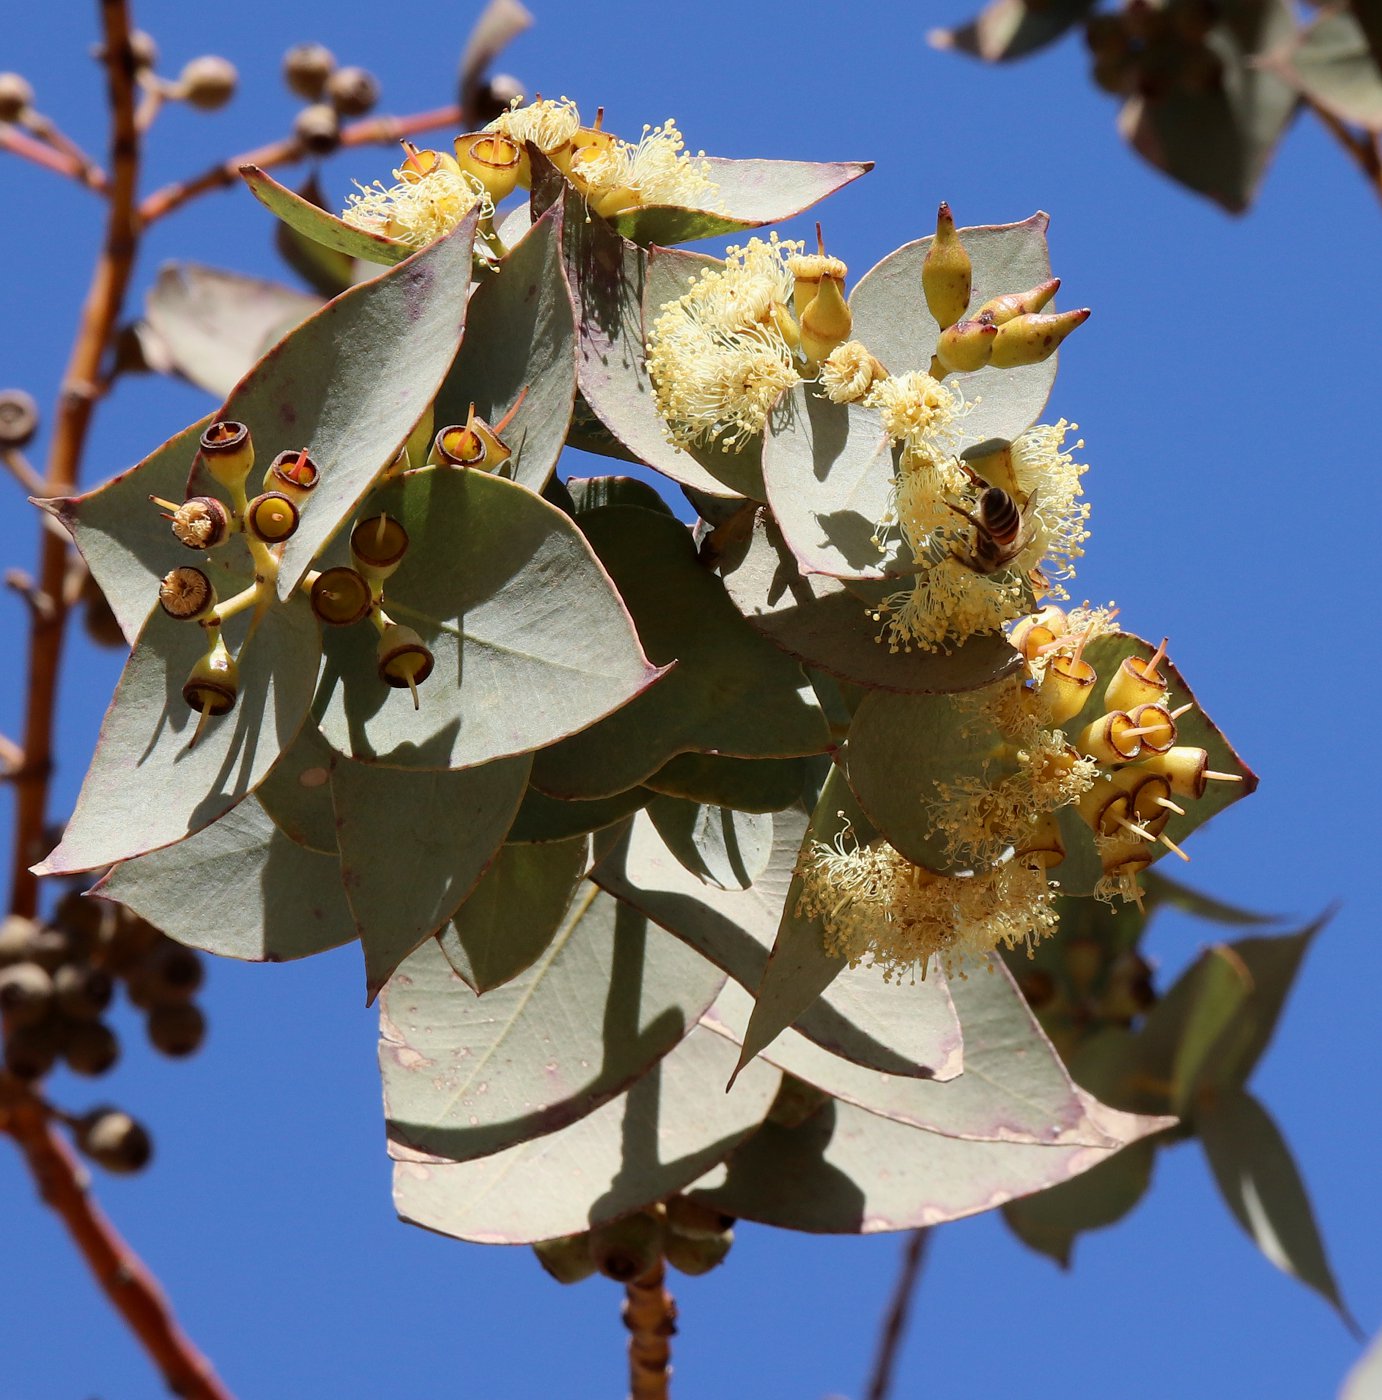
(948, 604)
(849, 372)
(1041, 468)
(878, 909)
(719, 355)
(921, 413)
(417, 210)
(549, 124)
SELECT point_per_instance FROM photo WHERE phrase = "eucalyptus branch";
(290, 149)
(48, 131)
(62, 1183)
(651, 1317)
(895, 1324)
(59, 160)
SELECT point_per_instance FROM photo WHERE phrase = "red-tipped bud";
(1027, 340)
(946, 272)
(1001, 310)
(966, 345)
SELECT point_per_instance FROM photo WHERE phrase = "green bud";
(946, 272)
(626, 1249)
(1027, 340)
(697, 1254)
(567, 1259)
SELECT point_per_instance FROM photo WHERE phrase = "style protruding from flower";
(403, 658)
(272, 517)
(431, 196)
(474, 443)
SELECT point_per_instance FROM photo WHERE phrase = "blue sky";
(1226, 388)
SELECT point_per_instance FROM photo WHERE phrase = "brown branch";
(1361, 146)
(371, 131)
(62, 1183)
(651, 1317)
(895, 1325)
(48, 130)
(81, 387)
(60, 162)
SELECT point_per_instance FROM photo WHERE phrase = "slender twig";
(1362, 147)
(19, 467)
(651, 1317)
(60, 162)
(372, 131)
(46, 129)
(895, 1324)
(62, 1182)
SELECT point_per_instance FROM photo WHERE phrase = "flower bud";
(91, 1048)
(1109, 738)
(83, 991)
(294, 474)
(201, 522)
(493, 159)
(228, 451)
(306, 67)
(341, 596)
(271, 517)
(207, 83)
(352, 91)
(810, 271)
(1027, 340)
(946, 272)
(1066, 686)
(966, 345)
(176, 1028)
(18, 418)
(214, 682)
(16, 96)
(567, 1259)
(113, 1140)
(626, 1249)
(318, 128)
(403, 659)
(826, 322)
(186, 594)
(377, 546)
(696, 1255)
(26, 994)
(1001, 310)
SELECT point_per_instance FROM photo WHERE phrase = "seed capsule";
(113, 1140)
(293, 474)
(201, 522)
(228, 451)
(18, 415)
(696, 1255)
(696, 1220)
(186, 594)
(26, 994)
(318, 128)
(341, 596)
(31, 1051)
(352, 91)
(16, 96)
(377, 546)
(306, 67)
(626, 1249)
(92, 1048)
(83, 991)
(176, 1030)
(208, 83)
(271, 517)
(404, 659)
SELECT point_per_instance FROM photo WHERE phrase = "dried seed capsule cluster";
(58, 981)
(332, 92)
(1155, 51)
(691, 1237)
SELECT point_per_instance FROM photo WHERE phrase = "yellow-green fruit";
(341, 596)
(403, 658)
(271, 517)
(213, 683)
(697, 1254)
(690, 1217)
(628, 1248)
(567, 1259)
(946, 272)
(377, 546)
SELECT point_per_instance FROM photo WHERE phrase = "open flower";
(720, 354)
(418, 209)
(879, 909)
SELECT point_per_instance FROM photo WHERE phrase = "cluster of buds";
(310, 72)
(265, 522)
(58, 980)
(1155, 51)
(1140, 770)
(1084, 985)
(1005, 332)
(691, 1237)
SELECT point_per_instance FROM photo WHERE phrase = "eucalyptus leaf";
(909, 1031)
(716, 844)
(466, 1077)
(1223, 990)
(316, 223)
(210, 325)
(414, 844)
(541, 818)
(847, 1171)
(746, 784)
(531, 640)
(891, 317)
(520, 343)
(730, 691)
(297, 792)
(1259, 1181)
(1008, 29)
(823, 624)
(146, 786)
(239, 888)
(747, 194)
(325, 270)
(513, 914)
(669, 1128)
(1333, 66)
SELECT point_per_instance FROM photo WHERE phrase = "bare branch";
(895, 1324)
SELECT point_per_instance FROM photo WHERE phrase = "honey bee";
(1001, 531)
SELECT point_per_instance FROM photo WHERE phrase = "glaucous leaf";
(541, 818)
(1261, 1185)
(746, 784)
(730, 691)
(716, 844)
(146, 787)
(326, 270)
(823, 624)
(747, 194)
(521, 336)
(465, 1077)
(671, 1127)
(1009, 29)
(321, 226)
(414, 844)
(1161, 889)
(891, 317)
(297, 792)
(210, 325)
(847, 1171)
(238, 888)
(910, 1031)
(531, 640)
(513, 914)
(1332, 65)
